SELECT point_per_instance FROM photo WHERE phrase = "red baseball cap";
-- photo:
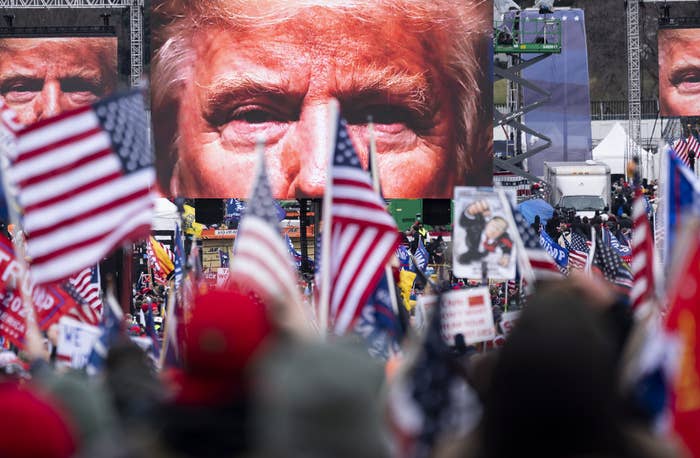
(225, 331)
(26, 417)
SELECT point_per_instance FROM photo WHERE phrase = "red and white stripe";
(543, 266)
(77, 202)
(262, 261)
(87, 297)
(363, 237)
(88, 290)
(681, 147)
(642, 255)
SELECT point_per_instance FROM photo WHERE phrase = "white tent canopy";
(165, 215)
(611, 151)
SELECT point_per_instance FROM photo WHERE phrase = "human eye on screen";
(687, 80)
(82, 90)
(21, 90)
(242, 122)
(388, 118)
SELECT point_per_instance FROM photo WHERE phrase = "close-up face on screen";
(227, 72)
(679, 72)
(42, 77)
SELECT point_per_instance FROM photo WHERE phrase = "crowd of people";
(250, 388)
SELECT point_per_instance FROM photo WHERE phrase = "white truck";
(582, 186)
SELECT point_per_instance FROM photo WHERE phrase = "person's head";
(26, 410)
(495, 227)
(43, 77)
(679, 66)
(228, 71)
(555, 378)
(226, 330)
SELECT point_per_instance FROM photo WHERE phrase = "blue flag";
(236, 207)
(378, 323)
(296, 256)
(681, 196)
(223, 258)
(110, 329)
(234, 210)
(556, 251)
(151, 332)
(404, 257)
(421, 255)
(179, 253)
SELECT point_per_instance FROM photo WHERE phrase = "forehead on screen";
(265, 13)
(669, 36)
(105, 44)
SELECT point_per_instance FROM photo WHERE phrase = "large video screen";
(225, 73)
(42, 77)
(679, 72)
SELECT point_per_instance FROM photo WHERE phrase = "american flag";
(611, 265)
(262, 262)
(84, 183)
(684, 145)
(84, 288)
(578, 251)
(642, 254)
(363, 235)
(543, 266)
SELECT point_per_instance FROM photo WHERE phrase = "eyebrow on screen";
(682, 69)
(384, 85)
(92, 76)
(230, 89)
(387, 85)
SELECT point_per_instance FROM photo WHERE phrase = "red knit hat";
(31, 427)
(223, 334)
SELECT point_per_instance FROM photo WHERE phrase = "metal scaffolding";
(135, 23)
(514, 40)
(634, 85)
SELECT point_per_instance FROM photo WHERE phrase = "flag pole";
(374, 168)
(334, 111)
(591, 252)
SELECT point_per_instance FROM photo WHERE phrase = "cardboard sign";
(75, 342)
(482, 235)
(468, 312)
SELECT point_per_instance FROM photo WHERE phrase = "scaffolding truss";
(634, 85)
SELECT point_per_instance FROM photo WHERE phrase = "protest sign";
(467, 312)
(508, 320)
(50, 301)
(75, 342)
(482, 235)
(221, 276)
